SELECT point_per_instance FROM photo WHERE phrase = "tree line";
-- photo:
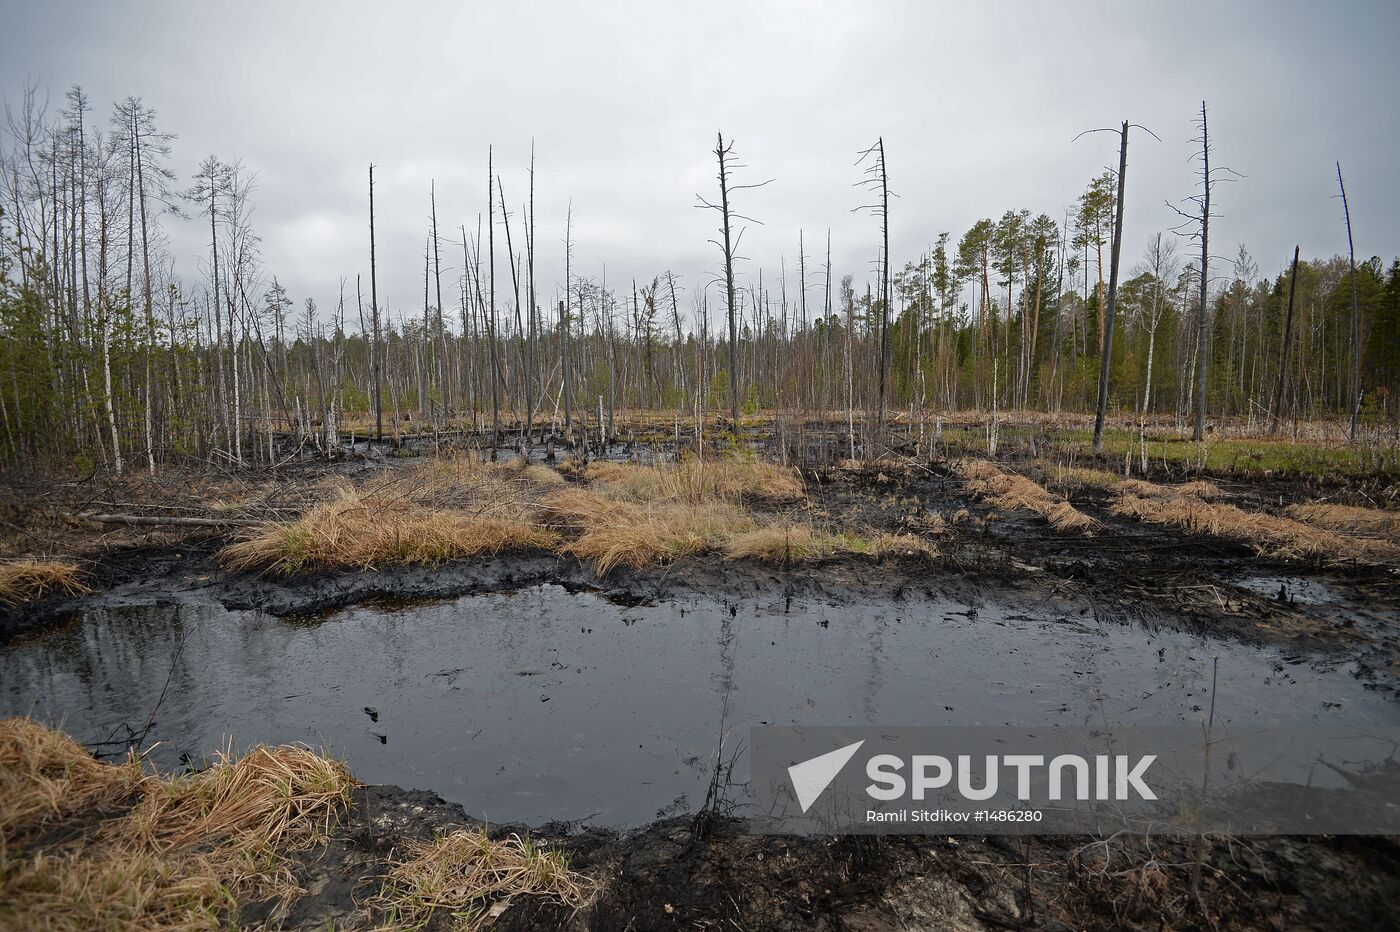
(111, 357)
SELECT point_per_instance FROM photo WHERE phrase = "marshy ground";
(451, 589)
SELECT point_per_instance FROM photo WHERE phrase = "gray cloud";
(978, 107)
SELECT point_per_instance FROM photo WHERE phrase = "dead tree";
(1106, 353)
(445, 375)
(1203, 218)
(374, 317)
(423, 349)
(1163, 266)
(564, 316)
(1355, 401)
(878, 177)
(1199, 431)
(531, 312)
(515, 287)
(725, 155)
(491, 310)
(1287, 342)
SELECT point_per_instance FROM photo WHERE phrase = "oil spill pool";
(542, 704)
(1291, 589)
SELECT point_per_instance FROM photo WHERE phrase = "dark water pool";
(543, 704)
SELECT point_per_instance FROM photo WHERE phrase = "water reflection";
(545, 705)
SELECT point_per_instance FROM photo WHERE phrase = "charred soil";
(664, 876)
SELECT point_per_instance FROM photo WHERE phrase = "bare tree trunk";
(1198, 433)
(722, 153)
(1355, 401)
(1154, 320)
(564, 325)
(883, 180)
(444, 376)
(530, 374)
(374, 318)
(422, 353)
(1287, 342)
(491, 308)
(1106, 360)
(850, 300)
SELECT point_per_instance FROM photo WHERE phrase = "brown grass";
(1143, 489)
(614, 533)
(379, 527)
(46, 775)
(1012, 491)
(465, 481)
(639, 516)
(474, 878)
(620, 515)
(1201, 489)
(899, 545)
(798, 543)
(697, 481)
(92, 845)
(1078, 477)
(1348, 519)
(24, 581)
(1266, 533)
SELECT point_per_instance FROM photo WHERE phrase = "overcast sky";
(977, 103)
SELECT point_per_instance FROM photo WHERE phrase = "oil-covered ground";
(527, 689)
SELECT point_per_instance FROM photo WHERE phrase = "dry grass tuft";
(1079, 477)
(697, 480)
(365, 529)
(900, 545)
(474, 878)
(459, 507)
(930, 522)
(615, 533)
(46, 775)
(1011, 491)
(1065, 517)
(1143, 488)
(1264, 532)
(269, 799)
(1203, 489)
(627, 515)
(1199, 489)
(1348, 519)
(23, 581)
(792, 543)
(639, 516)
(129, 850)
(540, 475)
(467, 482)
(799, 543)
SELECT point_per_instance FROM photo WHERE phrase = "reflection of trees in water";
(107, 669)
(875, 674)
(725, 677)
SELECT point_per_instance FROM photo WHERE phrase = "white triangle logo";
(811, 777)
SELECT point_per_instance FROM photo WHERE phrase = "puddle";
(542, 704)
(1292, 589)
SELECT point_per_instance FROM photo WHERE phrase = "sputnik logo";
(811, 777)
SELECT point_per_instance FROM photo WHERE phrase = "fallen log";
(169, 520)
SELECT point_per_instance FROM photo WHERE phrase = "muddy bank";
(139, 575)
(544, 703)
(663, 877)
(660, 876)
(1128, 572)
